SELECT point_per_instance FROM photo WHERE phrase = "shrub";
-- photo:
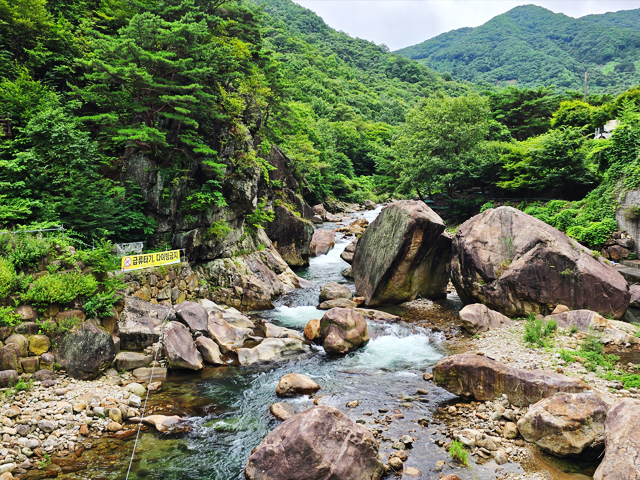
(55, 329)
(487, 206)
(60, 288)
(100, 305)
(23, 250)
(459, 453)
(260, 216)
(7, 278)
(536, 330)
(8, 318)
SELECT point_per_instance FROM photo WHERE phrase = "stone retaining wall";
(166, 284)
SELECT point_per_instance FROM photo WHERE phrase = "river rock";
(209, 350)
(85, 351)
(322, 242)
(479, 377)
(271, 349)
(634, 291)
(132, 360)
(369, 205)
(477, 318)
(162, 423)
(613, 331)
(349, 251)
(140, 323)
(27, 313)
(291, 236)
(294, 384)
(273, 331)
(516, 264)
(312, 330)
(44, 374)
(403, 255)
(136, 389)
(21, 341)
(378, 315)
(282, 411)
(342, 330)
(193, 315)
(320, 211)
(179, 348)
(333, 291)
(337, 303)
(321, 442)
(566, 423)
(622, 442)
(227, 336)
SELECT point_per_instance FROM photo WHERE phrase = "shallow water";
(229, 406)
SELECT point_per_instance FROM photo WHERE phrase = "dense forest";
(532, 46)
(205, 89)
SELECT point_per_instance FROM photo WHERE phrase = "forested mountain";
(532, 46)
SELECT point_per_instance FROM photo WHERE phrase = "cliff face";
(243, 265)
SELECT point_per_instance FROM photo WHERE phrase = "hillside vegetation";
(532, 46)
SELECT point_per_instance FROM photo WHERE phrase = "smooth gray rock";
(193, 315)
(179, 348)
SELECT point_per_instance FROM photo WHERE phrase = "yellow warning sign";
(135, 262)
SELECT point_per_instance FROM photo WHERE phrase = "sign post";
(136, 262)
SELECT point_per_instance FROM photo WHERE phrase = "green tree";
(437, 145)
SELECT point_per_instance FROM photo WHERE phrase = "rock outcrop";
(516, 264)
(319, 443)
(622, 442)
(403, 255)
(271, 349)
(291, 235)
(294, 384)
(566, 423)
(333, 291)
(179, 348)
(342, 330)
(612, 331)
(477, 318)
(226, 335)
(85, 351)
(479, 377)
(322, 241)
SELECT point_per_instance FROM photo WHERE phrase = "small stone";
(135, 401)
(427, 377)
(282, 411)
(510, 430)
(398, 446)
(412, 472)
(79, 407)
(352, 404)
(46, 426)
(84, 430)
(406, 439)
(136, 389)
(500, 456)
(402, 455)
(396, 464)
(115, 415)
(114, 427)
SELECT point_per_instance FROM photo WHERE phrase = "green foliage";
(591, 343)
(537, 330)
(100, 305)
(459, 453)
(7, 278)
(219, 230)
(8, 318)
(57, 328)
(437, 144)
(533, 46)
(487, 206)
(60, 288)
(260, 216)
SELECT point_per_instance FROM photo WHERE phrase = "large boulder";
(612, 331)
(634, 291)
(566, 423)
(85, 351)
(349, 251)
(517, 264)
(209, 350)
(193, 315)
(342, 330)
(477, 318)
(321, 442)
(322, 241)
(333, 291)
(271, 349)
(622, 442)
(404, 254)
(291, 236)
(479, 377)
(294, 384)
(228, 336)
(179, 348)
(140, 323)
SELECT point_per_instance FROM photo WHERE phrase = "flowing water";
(228, 406)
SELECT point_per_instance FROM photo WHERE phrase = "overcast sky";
(400, 23)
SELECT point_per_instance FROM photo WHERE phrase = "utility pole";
(585, 86)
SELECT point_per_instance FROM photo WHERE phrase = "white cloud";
(400, 23)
